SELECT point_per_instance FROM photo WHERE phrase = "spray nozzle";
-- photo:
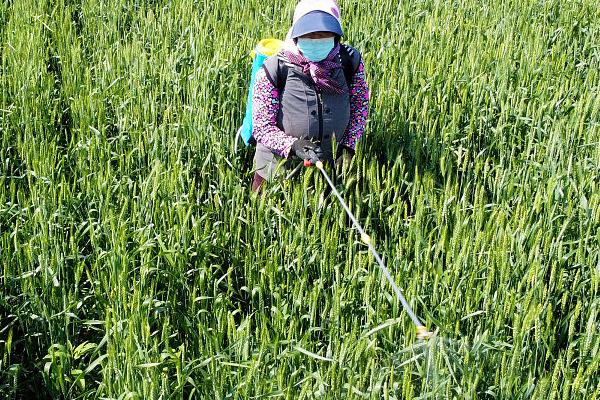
(423, 333)
(365, 238)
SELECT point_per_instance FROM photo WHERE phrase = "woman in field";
(309, 95)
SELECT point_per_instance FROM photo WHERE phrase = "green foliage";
(135, 263)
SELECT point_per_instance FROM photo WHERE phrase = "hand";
(305, 149)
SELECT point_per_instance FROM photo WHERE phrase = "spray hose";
(422, 332)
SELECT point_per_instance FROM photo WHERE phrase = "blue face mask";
(316, 49)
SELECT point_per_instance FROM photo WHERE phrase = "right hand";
(305, 149)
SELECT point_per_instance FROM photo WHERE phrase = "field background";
(135, 264)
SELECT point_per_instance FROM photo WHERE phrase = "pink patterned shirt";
(265, 102)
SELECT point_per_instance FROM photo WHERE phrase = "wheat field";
(136, 264)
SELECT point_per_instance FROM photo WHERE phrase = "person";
(311, 93)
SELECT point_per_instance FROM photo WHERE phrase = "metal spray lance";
(422, 332)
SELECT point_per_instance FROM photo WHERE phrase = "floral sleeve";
(359, 108)
(265, 107)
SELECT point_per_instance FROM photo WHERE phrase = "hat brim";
(316, 21)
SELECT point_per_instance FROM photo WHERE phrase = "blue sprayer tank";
(263, 50)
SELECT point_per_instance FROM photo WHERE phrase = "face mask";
(316, 49)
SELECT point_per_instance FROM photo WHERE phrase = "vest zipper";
(320, 114)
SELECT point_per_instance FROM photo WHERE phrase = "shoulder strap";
(350, 61)
(276, 71)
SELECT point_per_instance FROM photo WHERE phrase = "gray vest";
(305, 113)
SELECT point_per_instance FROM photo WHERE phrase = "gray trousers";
(269, 165)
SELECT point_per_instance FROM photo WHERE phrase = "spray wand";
(422, 332)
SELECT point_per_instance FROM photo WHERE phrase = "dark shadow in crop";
(20, 377)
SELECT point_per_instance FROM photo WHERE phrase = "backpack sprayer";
(422, 332)
(263, 50)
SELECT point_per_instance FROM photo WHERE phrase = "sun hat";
(315, 16)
